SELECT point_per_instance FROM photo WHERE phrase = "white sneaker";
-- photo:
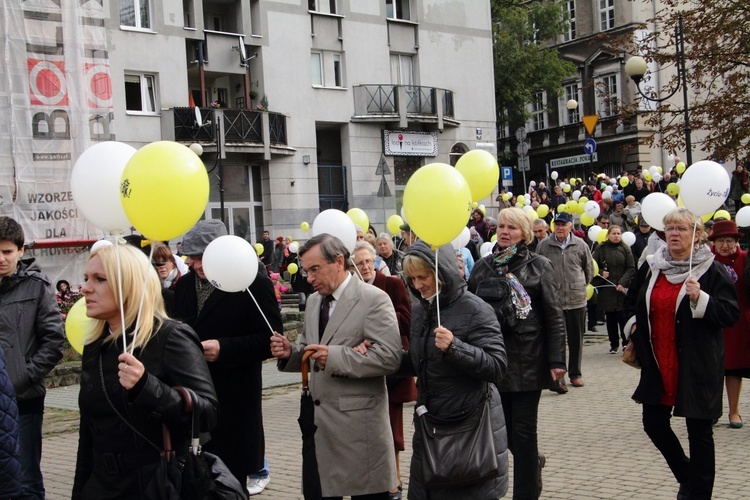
(257, 485)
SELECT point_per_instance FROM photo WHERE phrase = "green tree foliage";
(717, 52)
(524, 64)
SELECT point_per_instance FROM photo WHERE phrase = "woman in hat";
(727, 251)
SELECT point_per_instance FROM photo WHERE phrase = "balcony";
(241, 130)
(404, 104)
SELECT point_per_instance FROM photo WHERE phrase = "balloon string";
(119, 290)
(261, 310)
(143, 296)
(351, 259)
(692, 249)
(437, 286)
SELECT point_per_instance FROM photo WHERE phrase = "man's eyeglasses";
(313, 270)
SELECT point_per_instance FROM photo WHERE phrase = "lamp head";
(635, 68)
(571, 104)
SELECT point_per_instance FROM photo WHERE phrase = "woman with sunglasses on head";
(677, 310)
(163, 261)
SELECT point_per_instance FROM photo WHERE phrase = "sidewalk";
(593, 439)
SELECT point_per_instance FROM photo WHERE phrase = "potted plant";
(253, 95)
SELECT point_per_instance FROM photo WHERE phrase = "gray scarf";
(677, 271)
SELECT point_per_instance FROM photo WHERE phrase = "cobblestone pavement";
(592, 437)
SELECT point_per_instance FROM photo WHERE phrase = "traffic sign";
(590, 121)
(507, 176)
(383, 168)
(522, 149)
(589, 147)
(524, 164)
(521, 134)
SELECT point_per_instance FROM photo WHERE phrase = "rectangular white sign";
(572, 160)
(402, 143)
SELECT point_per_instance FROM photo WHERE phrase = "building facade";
(298, 105)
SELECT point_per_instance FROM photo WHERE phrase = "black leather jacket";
(539, 343)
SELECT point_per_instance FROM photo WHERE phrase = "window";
(569, 11)
(322, 6)
(397, 9)
(538, 111)
(608, 95)
(327, 69)
(243, 201)
(140, 93)
(571, 115)
(607, 14)
(402, 69)
(135, 13)
(188, 14)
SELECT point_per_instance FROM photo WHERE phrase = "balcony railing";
(240, 126)
(402, 102)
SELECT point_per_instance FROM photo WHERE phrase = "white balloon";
(654, 207)
(486, 248)
(462, 239)
(576, 194)
(653, 169)
(609, 189)
(533, 183)
(528, 208)
(230, 263)
(670, 157)
(656, 177)
(704, 187)
(196, 148)
(101, 243)
(338, 224)
(629, 238)
(743, 217)
(607, 195)
(554, 175)
(510, 195)
(95, 184)
(293, 248)
(594, 232)
(592, 209)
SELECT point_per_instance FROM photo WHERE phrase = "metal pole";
(681, 59)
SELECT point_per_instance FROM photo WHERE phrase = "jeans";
(575, 319)
(699, 470)
(263, 473)
(521, 410)
(30, 443)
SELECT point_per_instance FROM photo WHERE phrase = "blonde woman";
(123, 392)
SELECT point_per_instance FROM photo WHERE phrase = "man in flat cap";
(235, 341)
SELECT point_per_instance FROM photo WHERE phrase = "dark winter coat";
(113, 462)
(31, 332)
(618, 260)
(235, 321)
(698, 336)
(10, 460)
(539, 342)
(454, 382)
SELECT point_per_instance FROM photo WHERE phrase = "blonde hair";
(413, 264)
(518, 217)
(133, 263)
(682, 214)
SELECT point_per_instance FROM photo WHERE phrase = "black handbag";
(194, 475)
(458, 451)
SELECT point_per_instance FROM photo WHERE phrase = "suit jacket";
(354, 446)
(401, 389)
(244, 337)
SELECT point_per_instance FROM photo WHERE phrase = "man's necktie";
(325, 308)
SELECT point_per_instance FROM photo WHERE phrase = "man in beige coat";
(353, 442)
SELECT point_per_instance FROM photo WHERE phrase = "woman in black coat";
(535, 348)
(677, 310)
(113, 461)
(454, 361)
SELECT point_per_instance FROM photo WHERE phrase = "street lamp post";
(636, 67)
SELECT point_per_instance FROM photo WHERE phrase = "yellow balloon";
(542, 211)
(586, 219)
(359, 217)
(394, 223)
(494, 238)
(482, 208)
(624, 181)
(596, 267)
(660, 170)
(437, 203)
(583, 200)
(474, 204)
(722, 214)
(706, 217)
(481, 171)
(589, 291)
(259, 248)
(602, 236)
(305, 226)
(520, 199)
(673, 189)
(164, 190)
(532, 215)
(567, 188)
(680, 167)
(745, 198)
(506, 197)
(78, 325)
(647, 176)
(570, 206)
(292, 268)
(561, 208)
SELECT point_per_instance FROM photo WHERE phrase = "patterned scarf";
(203, 290)
(521, 300)
(728, 262)
(677, 271)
